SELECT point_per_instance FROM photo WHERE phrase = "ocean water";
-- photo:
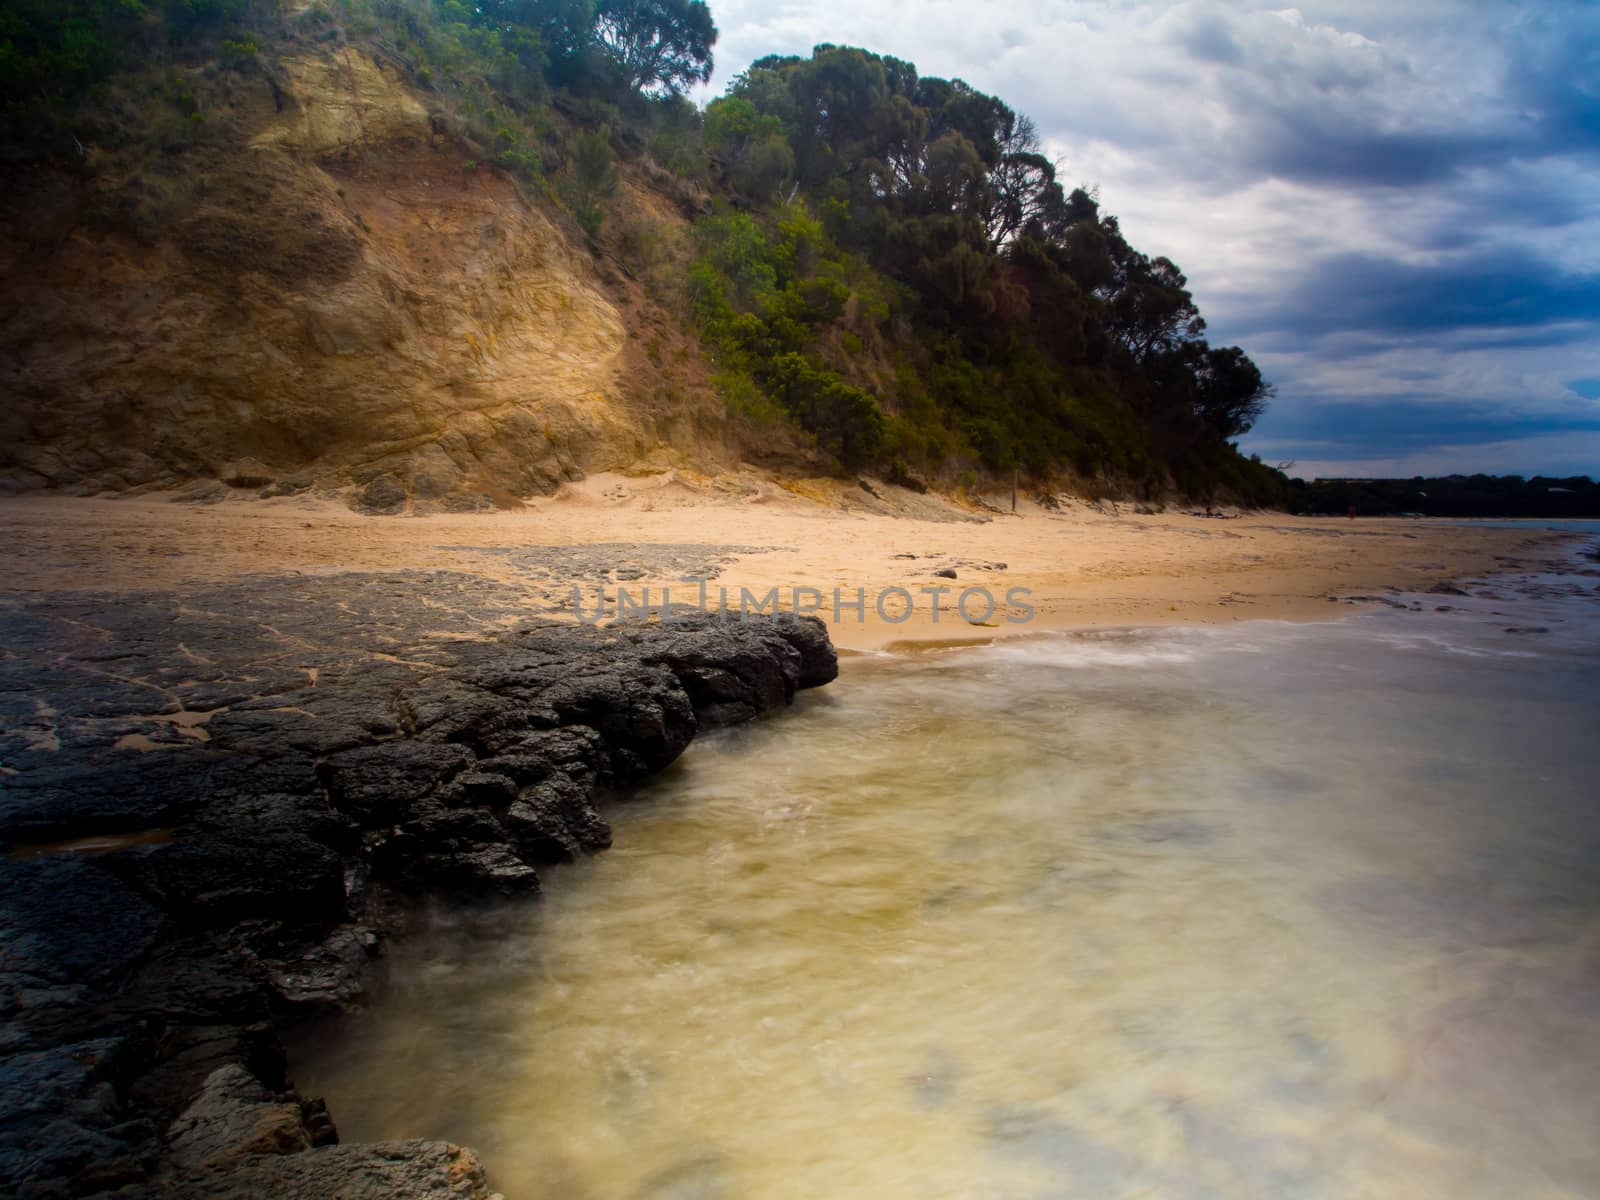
(1555, 524)
(1266, 910)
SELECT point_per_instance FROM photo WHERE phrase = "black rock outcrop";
(215, 806)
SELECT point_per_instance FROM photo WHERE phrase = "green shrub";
(594, 178)
(525, 164)
(238, 51)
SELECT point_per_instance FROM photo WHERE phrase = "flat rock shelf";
(218, 804)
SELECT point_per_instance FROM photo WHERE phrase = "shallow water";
(1263, 911)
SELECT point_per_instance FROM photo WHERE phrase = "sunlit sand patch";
(189, 726)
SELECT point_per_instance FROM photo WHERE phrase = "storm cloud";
(1395, 209)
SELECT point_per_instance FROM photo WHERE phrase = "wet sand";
(1082, 567)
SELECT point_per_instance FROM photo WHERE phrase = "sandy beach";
(1081, 566)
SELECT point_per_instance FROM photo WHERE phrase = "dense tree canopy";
(1027, 330)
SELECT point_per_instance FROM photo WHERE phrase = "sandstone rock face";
(338, 296)
(346, 99)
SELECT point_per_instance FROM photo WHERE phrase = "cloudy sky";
(1392, 205)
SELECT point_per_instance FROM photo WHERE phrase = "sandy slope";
(1082, 566)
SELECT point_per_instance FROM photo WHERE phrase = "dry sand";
(1082, 566)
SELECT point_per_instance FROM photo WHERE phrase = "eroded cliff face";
(338, 297)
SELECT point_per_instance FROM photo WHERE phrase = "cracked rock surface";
(216, 805)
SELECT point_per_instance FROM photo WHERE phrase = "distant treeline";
(1450, 496)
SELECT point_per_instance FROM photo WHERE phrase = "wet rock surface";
(217, 805)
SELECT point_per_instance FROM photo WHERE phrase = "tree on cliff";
(594, 178)
(1230, 394)
(560, 28)
(1014, 323)
(750, 147)
(1152, 311)
(660, 46)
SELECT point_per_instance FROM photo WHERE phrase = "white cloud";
(1251, 141)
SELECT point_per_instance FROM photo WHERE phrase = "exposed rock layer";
(318, 285)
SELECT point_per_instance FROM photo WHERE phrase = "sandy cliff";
(315, 285)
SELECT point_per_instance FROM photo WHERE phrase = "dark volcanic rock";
(732, 669)
(575, 751)
(480, 789)
(641, 712)
(200, 978)
(327, 974)
(267, 731)
(306, 813)
(191, 1053)
(554, 821)
(64, 1129)
(60, 794)
(218, 804)
(107, 793)
(819, 662)
(481, 871)
(463, 850)
(379, 784)
(64, 922)
(219, 879)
